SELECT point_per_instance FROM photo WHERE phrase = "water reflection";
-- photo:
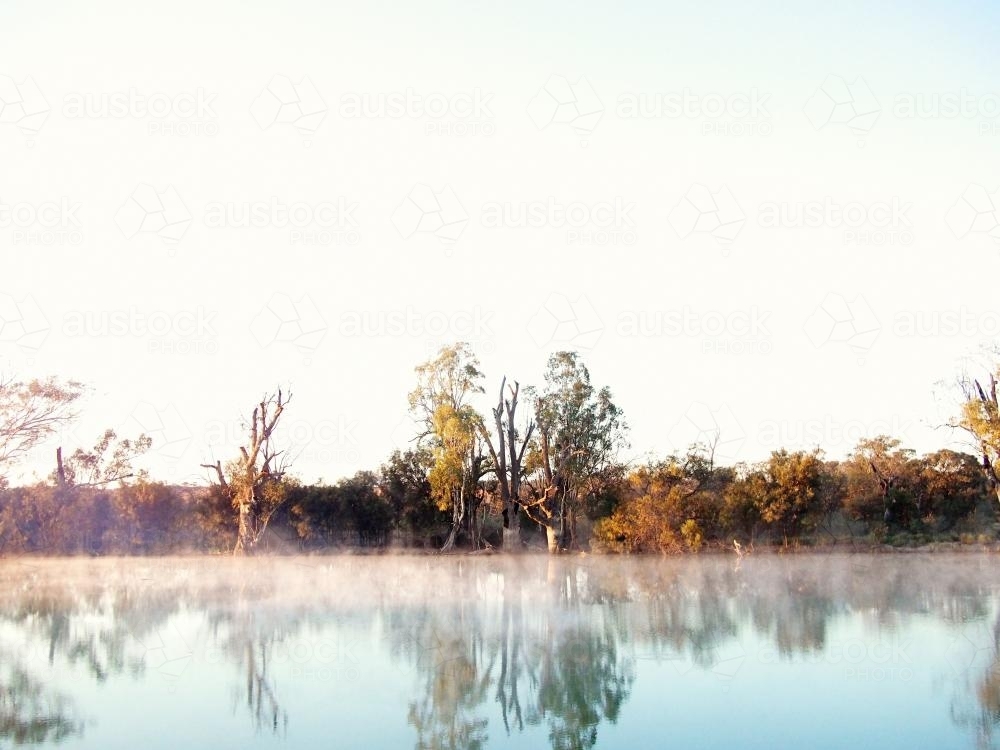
(482, 651)
(545, 656)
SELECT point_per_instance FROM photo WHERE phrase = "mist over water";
(487, 652)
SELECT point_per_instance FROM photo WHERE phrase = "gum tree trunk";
(512, 531)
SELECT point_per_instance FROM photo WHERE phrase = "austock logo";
(424, 211)
(54, 222)
(701, 210)
(562, 102)
(284, 102)
(844, 322)
(22, 322)
(181, 114)
(600, 223)
(445, 114)
(862, 222)
(976, 211)
(147, 211)
(837, 102)
(562, 321)
(166, 427)
(284, 320)
(715, 429)
(324, 223)
(737, 114)
(22, 105)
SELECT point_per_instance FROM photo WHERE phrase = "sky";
(771, 222)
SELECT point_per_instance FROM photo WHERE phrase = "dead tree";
(254, 482)
(508, 456)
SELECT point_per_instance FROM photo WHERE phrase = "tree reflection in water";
(976, 704)
(492, 644)
(29, 714)
(545, 656)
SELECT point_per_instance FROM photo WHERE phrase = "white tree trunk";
(552, 537)
(512, 539)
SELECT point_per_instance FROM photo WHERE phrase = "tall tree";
(508, 459)
(254, 480)
(580, 430)
(450, 429)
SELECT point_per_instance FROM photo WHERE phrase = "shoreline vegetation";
(541, 469)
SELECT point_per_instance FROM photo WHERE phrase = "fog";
(481, 651)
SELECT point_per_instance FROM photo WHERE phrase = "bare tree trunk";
(60, 468)
(552, 537)
(244, 536)
(457, 518)
(507, 456)
(512, 530)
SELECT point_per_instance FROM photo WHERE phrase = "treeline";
(542, 468)
(881, 494)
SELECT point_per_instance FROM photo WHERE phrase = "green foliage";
(403, 480)
(575, 455)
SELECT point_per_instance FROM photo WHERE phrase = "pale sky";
(706, 190)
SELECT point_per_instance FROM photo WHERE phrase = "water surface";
(819, 651)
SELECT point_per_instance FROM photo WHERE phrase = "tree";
(451, 429)
(30, 412)
(403, 481)
(254, 480)
(662, 499)
(951, 484)
(508, 459)
(793, 487)
(980, 417)
(110, 460)
(741, 502)
(367, 509)
(879, 485)
(580, 430)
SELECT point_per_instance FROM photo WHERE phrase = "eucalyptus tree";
(450, 428)
(30, 412)
(980, 417)
(109, 461)
(580, 431)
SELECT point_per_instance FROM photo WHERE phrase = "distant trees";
(322, 516)
(535, 461)
(668, 506)
(546, 468)
(110, 460)
(793, 483)
(676, 504)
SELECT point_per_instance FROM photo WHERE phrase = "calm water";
(461, 652)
